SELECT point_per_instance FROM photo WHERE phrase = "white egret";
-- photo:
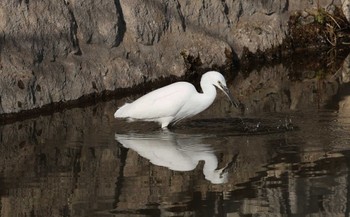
(176, 101)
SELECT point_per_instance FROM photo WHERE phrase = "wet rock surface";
(57, 52)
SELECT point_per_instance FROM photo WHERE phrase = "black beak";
(229, 95)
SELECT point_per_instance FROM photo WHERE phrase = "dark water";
(288, 155)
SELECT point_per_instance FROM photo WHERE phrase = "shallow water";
(288, 154)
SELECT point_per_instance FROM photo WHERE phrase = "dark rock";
(60, 51)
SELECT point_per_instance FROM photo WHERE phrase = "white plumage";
(176, 101)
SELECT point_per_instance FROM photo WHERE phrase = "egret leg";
(165, 126)
(165, 121)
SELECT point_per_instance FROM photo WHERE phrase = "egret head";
(218, 80)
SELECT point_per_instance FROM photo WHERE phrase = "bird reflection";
(177, 152)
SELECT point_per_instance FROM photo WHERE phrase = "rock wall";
(59, 51)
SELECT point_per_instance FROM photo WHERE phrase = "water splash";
(285, 124)
(266, 126)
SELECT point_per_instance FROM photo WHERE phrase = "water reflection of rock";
(272, 89)
(317, 187)
(344, 92)
(55, 165)
(178, 153)
(310, 176)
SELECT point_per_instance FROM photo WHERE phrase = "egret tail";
(122, 111)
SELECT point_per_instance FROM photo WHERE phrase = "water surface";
(288, 154)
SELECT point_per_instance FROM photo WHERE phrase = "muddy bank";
(52, 53)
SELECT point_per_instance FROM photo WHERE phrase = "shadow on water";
(288, 155)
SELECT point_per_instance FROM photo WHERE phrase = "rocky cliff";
(59, 51)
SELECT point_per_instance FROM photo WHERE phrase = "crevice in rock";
(286, 6)
(20, 84)
(73, 31)
(32, 92)
(226, 12)
(38, 56)
(64, 83)
(32, 88)
(25, 2)
(225, 7)
(121, 25)
(182, 18)
(240, 11)
(1, 109)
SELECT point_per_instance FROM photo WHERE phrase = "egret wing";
(163, 102)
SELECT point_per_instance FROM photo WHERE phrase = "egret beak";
(227, 92)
